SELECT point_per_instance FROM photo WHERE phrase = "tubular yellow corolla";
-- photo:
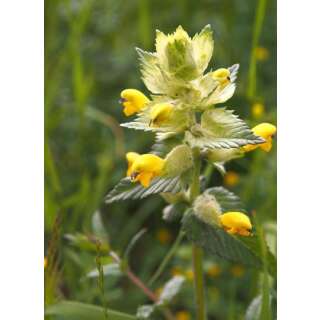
(266, 131)
(160, 113)
(133, 101)
(144, 168)
(236, 223)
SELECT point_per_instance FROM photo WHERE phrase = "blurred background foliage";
(89, 59)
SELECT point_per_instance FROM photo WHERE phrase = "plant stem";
(197, 253)
(167, 258)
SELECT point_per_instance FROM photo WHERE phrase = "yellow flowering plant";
(191, 129)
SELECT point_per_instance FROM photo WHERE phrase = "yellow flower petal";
(183, 315)
(266, 131)
(160, 113)
(133, 101)
(144, 168)
(231, 179)
(236, 223)
(131, 157)
(257, 110)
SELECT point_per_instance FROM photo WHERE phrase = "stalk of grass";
(167, 258)
(252, 77)
(101, 279)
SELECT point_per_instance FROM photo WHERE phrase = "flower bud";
(178, 160)
(207, 208)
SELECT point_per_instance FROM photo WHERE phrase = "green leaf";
(170, 290)
(214, 240)
(111, 269)
(126, 189)
(228, 200)
(83, 242)
(221, 129)
(72, 310)
(145, 311)
(98, 227)
(254, 310)
(162, 147)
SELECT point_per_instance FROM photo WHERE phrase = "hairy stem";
(197, 253)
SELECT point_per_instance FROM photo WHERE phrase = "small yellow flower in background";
(189, 275)
(214, 271)
(177, 271)
(257, 110)
(261, 53)
(45, 262)
(222, 75)
(183, 315)
(164, 236)
(144, 168)
(237, 271)
(133, 101)
(231, 179)
(266, 131)
(236, 223)
(160, 113)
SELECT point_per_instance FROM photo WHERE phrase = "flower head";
(266, 131)
(144, 168)
(183, 315)
(133, 101)
(161, 113)
(261, 53)
(236, 223)
(214, 271)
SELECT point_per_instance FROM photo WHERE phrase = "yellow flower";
(176, 271)
(133, 101)
(164, 236)
(261, 53)
(214, 271)
(237, 270)
(183, 315)
(144, 168)
(266, 131)
(231, 178)
(189, 274)
(160, 113)
(222, 75)
(257, 110)
(236, 223)
(45, 262)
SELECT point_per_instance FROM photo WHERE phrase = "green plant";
(191, 131)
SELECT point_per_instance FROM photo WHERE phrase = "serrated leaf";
(126, 189)
(171, 289)
(72, 310)
(214, 240)
(111, 269)
(220, 128)
(228, 200)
